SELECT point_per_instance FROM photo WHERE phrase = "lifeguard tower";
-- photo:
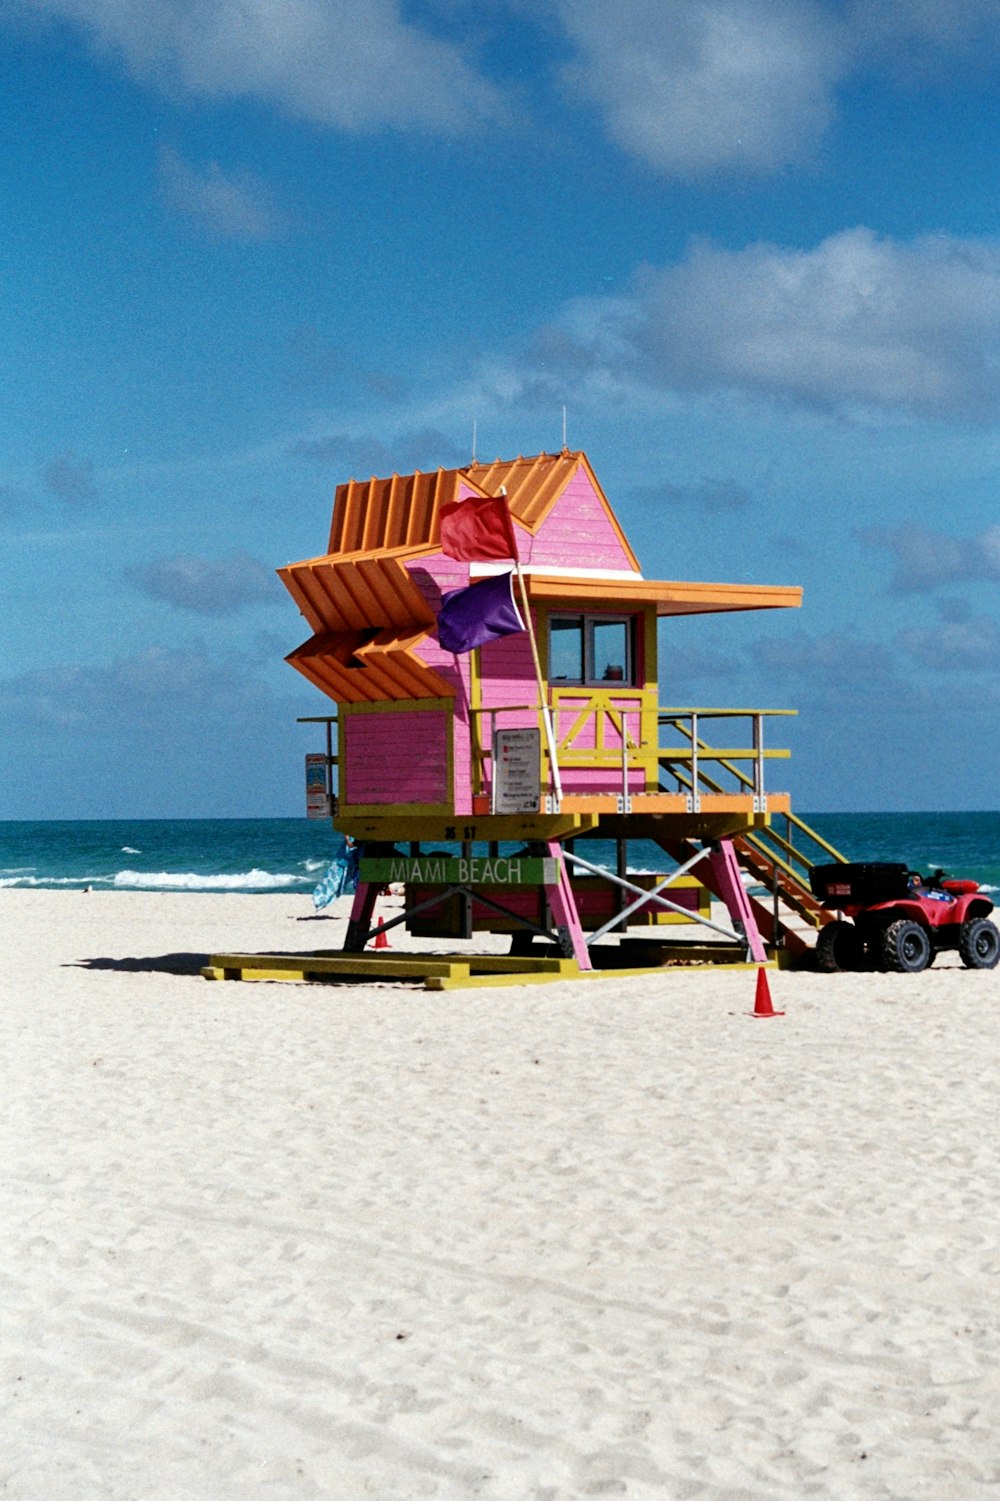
(477, 771)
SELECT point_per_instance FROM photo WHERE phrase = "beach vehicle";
(893, 918)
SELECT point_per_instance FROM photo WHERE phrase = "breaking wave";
(186, 880)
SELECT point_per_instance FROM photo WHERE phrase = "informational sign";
(317, 786)
(517, 771)
(453, 870)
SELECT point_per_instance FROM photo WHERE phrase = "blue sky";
(253, 247)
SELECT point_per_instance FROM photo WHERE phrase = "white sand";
(605, 1238)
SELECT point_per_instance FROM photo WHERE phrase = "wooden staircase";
(788, 890)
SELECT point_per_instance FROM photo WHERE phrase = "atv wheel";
(979, 943)
(906, 947)
(838, 947)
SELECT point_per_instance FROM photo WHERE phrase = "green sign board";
(454, 870)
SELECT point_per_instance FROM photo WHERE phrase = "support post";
(563, 904)
(360, 921)
(726, 873)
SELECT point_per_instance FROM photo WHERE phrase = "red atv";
(899, 919)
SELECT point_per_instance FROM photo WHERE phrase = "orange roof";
(356, 594)
(533, 485)
(670, 598)
(331, 661)
(367, 611)
(402, 511)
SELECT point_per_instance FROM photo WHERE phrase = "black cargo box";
(859, 885)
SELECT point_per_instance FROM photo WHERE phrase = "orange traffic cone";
(381, 941)
(762, 1004)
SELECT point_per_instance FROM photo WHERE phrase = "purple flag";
(484, 611)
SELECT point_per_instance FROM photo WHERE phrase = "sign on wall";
(517, 771)
(452, 870)
(317, 786)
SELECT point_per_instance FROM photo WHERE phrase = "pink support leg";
(726, 873)
(564, 912)
(360, 921)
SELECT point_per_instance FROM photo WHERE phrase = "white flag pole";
(555, 781)
(550, 737)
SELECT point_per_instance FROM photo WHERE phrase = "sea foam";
(160, 880)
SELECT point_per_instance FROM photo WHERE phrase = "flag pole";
(555, 781)
(459, 540)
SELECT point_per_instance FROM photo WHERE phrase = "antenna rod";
(473, 440)
(564, 427)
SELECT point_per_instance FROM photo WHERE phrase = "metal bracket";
(624, 803)
(693, 803)
(553, 804)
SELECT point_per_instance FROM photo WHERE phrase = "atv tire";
(839, 946)
(906, 947)
(979, 943)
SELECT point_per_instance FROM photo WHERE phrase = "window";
(591, 649)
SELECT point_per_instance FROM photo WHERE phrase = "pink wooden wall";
(396, 757)
(508, 675)
(596, 902)
(577, 532)
(434, 576)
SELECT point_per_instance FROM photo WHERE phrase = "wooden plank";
(498, 963)
(447, 972)
(473, 982)
(391, 966)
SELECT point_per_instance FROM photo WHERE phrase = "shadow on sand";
(161, 964)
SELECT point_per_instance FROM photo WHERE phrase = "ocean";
(291, 854)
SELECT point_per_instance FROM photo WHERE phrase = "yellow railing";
(790, 854)
(686, 762)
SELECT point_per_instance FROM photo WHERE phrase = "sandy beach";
(607, 1238)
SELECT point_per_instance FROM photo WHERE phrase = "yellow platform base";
(451, 971)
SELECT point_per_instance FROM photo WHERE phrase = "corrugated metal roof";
(533, 484)
(357, 667)
(356, 594)
(402, 511)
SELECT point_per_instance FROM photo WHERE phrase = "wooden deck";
(466, 971)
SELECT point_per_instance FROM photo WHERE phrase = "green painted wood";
(453, 870)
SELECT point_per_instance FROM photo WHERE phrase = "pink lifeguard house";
(541, 739)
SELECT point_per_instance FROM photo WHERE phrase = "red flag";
(478, 530)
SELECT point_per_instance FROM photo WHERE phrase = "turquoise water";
(291, 854)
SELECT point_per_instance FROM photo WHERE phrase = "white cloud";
(153, 688)
(954, 645)
(691, 85)
(352, 64)
(207, 586)
(858, 321)
(70, 477)
(694, 86)
(921, 36)
(835, 665)
(926, 560)
(713, 496)
(686, 86)
(228, 206)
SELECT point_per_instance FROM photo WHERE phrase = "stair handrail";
(756, 839)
